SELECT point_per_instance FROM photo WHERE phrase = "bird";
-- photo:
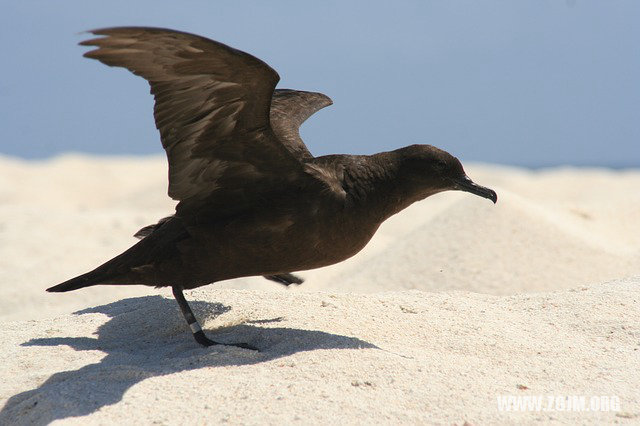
(252, 199)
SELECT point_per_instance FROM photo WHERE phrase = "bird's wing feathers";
(212, 106)
(291, 108)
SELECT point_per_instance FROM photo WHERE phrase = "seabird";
(252, 200)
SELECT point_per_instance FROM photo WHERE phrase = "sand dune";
(397, 357)
(516, 246)
(454, 302)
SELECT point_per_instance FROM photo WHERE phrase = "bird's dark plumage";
(252, 198)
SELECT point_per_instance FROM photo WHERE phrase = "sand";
(538, 295)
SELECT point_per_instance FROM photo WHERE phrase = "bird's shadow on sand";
(147, 337)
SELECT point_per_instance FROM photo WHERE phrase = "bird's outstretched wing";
(212, 106)
(291, 108)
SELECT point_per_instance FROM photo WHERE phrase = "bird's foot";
(205, 341)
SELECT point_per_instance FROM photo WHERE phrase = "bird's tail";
(85, 280)
(121, 270)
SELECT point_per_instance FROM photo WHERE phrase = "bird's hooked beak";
(466, 184)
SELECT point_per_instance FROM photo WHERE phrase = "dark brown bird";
(252, 198)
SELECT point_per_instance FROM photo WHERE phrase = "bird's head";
(429, 170)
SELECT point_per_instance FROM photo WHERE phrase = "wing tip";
(320, 100)
(328, 100)
(110, 31)
(323, 100)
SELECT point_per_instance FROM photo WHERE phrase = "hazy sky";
(518, 82)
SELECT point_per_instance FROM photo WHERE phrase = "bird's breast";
(282, 240)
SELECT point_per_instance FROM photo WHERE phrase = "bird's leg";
(198, 334)
(285, 279)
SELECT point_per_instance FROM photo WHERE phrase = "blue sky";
(530, 83)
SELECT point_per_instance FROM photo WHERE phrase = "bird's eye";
(441, 165)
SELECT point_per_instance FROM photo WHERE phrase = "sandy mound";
(400, 357)
(513, 247)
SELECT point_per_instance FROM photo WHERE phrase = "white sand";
(453, 303)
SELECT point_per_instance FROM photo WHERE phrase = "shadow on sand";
(147, 337)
